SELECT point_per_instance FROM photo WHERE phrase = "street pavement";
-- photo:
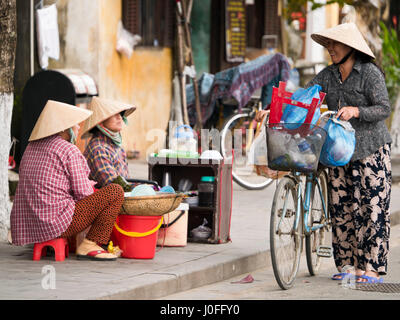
(175, 270)
(261, 284)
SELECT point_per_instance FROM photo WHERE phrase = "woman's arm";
(101, 167)
(78, 172)
(376, 92)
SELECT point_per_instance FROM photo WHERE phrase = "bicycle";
(297, 214)
(237, 135)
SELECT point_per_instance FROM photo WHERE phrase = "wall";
(201, 22)
(88, 34)
(145, 79)
(315, 22)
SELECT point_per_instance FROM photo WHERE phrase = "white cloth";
(47, 35)
(126, 41)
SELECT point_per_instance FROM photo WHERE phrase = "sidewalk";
(172, 270)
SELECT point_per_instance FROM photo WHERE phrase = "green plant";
(391, 60)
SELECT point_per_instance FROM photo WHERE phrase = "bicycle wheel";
(237, 135)
(285, 242)
(318, 237)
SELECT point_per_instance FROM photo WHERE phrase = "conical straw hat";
(56, 117)
(346, 33)
(102, 110)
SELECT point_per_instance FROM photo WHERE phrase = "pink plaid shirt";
(53, 176)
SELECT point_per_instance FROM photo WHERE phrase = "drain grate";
(379, 287)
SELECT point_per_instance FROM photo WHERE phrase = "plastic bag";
(201, 232)
(293, 114)
(48, 38)
(258, 154)
(126, 41)
(339, 144)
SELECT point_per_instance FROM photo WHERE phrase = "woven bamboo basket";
(157, 205)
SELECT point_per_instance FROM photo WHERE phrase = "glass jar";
(206, 191)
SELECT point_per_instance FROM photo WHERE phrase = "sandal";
(370, 279)
(89, 250)
(342, 275)
(94, 255)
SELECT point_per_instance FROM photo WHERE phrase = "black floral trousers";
(359, 199)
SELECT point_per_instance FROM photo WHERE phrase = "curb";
(183, 281)
(198, 277)
(164, 283)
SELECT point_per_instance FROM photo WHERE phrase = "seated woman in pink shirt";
(54, 197)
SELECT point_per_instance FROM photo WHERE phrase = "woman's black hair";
(93, 130)
(364, 58)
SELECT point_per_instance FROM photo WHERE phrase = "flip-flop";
(370, 279)
(92, 255)
(342, 275)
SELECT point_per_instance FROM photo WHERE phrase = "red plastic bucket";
(136, 236)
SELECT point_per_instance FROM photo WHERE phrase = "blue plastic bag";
(293, 114)
(339, 144)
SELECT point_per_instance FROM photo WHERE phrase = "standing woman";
(104, 153)
(359, 192)
(54, 197)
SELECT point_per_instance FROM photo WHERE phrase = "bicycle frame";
(303, 203)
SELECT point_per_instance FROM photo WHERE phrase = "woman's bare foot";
(359, 272)
(346, 269)
(369, 273)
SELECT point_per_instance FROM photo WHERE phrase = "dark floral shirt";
(364, 88)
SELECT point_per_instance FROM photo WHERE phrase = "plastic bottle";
(308, 156)
(301, 153)
(315, 142)
(184, 140)
(206, 191)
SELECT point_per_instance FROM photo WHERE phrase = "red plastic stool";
(59, 245)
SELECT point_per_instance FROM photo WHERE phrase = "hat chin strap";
(345, 58)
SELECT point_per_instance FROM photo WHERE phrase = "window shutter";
(272, 20)
(131, 16)
(255, 23)
(169, 23)
(164, 22)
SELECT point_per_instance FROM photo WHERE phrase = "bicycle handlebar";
(327, 113)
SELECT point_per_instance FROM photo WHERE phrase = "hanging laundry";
(47, 35)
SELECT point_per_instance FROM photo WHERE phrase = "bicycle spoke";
(285, 241)
(237, 136)
(317, 237)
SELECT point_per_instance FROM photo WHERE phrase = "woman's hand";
(260, 115)
(348, 112)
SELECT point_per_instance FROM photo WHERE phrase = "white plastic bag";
(47, 35)
(126, 41)
(257, 154)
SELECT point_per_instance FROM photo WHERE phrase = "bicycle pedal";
(324, 251)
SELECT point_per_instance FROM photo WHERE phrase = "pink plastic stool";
(59, 245)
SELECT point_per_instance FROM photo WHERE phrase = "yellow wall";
(332, 15)
(88, 36)
(144, 79)
(332, 20)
